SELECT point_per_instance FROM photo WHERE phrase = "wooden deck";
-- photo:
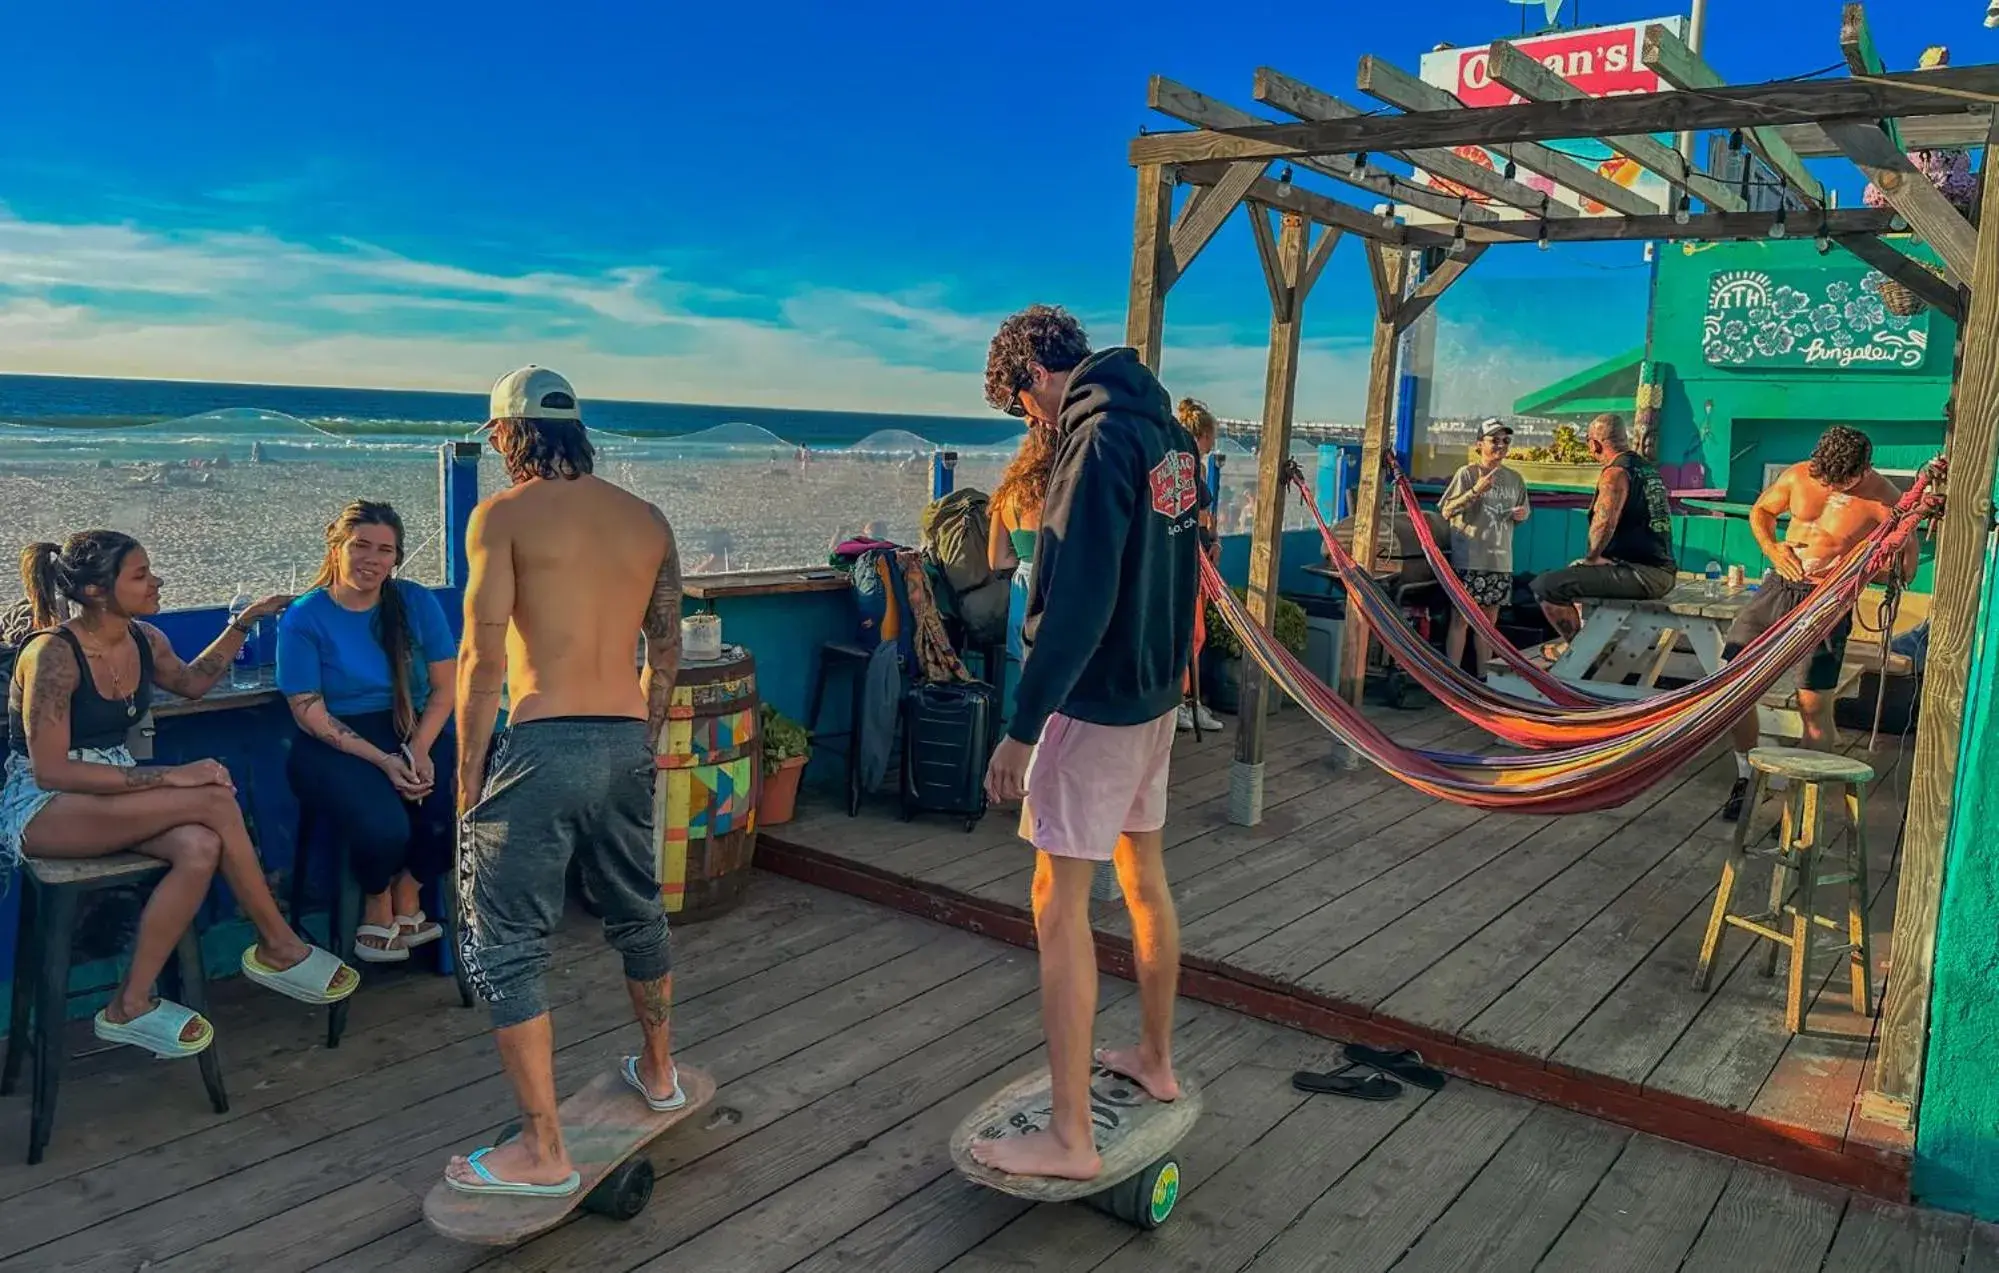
(848, 1041)
(1550, 957)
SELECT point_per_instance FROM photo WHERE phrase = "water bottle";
(243, 672)
(1713, 578)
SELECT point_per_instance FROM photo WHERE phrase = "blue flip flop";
(672, 1102)
(492, 1184)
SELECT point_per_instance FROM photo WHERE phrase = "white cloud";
(122, 300)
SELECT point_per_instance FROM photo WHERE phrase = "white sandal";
(390, 952)
(418, 929)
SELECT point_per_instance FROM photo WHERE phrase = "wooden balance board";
(605, 1126)
(1135, 1134)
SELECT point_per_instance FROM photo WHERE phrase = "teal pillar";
(1957, 1129)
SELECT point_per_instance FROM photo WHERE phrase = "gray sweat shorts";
(557, 787)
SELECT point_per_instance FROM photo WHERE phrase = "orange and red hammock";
(1613, 750)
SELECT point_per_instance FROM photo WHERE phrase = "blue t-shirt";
(326, 649)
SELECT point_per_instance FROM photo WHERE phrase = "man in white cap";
(566, 570)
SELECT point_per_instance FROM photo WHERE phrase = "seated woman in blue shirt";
(368, 665)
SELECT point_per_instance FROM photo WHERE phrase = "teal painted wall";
(1735, 419)
(1957, 1132)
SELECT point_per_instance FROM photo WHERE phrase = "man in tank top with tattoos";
(566, 572)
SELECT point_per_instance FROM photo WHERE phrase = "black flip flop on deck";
(1373, 1087)
(1406, 1065)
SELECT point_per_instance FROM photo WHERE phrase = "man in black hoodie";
(1108, 632)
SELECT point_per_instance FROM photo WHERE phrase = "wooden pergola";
(1869, 116)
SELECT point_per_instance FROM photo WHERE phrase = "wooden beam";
(1683, 68)
(1288, 197)
(1397, 87)
(1387, 292)
(1954, 90)
(1923, 132)
(1388, 266)
(1432, 289)
(1956, 594)
(1273, 267)
(1700, 226)
(1207, 210)
(1273, 452)
(1921, 204)
(1151, 265)
(1907, 271)
(1294, 97)
(1315, 265)
(1856, 45)
(1192, 107)
(1509, 66)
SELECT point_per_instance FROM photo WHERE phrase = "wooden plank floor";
(848, 1040)
(1565, 945)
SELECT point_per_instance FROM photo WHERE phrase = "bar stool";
(843, 656)
(344, 914)
(1806, 840)
(51, 890)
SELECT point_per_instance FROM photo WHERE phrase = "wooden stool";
(1801, 849)
(51, 889)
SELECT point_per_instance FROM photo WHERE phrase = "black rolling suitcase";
(947, 737)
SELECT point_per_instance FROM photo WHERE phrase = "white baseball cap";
(534, 393)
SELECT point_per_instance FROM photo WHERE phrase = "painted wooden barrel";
(710, 758)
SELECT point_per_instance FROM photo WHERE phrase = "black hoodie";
(1110, 618)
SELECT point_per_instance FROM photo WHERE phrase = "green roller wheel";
(1146, 1199)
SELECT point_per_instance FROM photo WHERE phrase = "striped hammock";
(1601, 773)
(1563, 721)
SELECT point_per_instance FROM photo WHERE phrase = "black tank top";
(94, 720)
(1644, 532)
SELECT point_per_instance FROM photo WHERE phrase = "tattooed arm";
(482, 652)
(49, 675)
(309, 710)
(193, 680)
(1612, 489)
(662, 632)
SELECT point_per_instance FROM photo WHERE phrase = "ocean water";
(232, 485)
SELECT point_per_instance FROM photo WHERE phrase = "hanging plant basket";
(1901, 300)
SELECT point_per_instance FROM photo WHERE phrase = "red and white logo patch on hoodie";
(1174, 491)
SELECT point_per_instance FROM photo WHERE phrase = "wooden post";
(1388, 269)
(1151, 254)
(1960, 559)
(1290, 271)
(458, 495)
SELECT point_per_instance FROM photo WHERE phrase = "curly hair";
(1199, 421)
(55, 575)
(1024, 486)
(1842, 455)
(543, 448)
(1043, 334)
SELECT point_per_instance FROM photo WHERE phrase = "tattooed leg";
(652, 1004)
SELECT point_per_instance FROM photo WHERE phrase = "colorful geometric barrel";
(710, 775)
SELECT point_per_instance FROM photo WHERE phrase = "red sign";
(1174, 493)
(1601, 61)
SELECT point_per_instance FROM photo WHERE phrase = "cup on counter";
(1737, 579)
(701, 636)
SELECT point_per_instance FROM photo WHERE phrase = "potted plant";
(786, 748)
(1221, 656)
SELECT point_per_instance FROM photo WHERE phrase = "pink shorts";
(1089, 784)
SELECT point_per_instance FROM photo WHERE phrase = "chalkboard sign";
(1814, 320)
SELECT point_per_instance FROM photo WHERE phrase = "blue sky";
(776, 203)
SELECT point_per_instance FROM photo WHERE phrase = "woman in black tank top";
(73, 790)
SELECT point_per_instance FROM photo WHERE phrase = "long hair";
(391, 625)
(1024, 484)
(543, 448)
(1195, 417)
(54, 575)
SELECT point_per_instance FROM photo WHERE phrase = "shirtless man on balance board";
(1835, 500)
(566, 571)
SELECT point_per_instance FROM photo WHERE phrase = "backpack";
(883, 602)
(16, 626)
(954, 536)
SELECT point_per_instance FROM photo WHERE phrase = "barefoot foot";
(511, 1161)
(1155, 1076)
(1038, 1154)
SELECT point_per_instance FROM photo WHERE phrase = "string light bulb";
(1683, 210)
(1542, 241)
(1777, 228)
(1284, 181)
(1512, 170)
(1360, 163)
(1825, 236)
